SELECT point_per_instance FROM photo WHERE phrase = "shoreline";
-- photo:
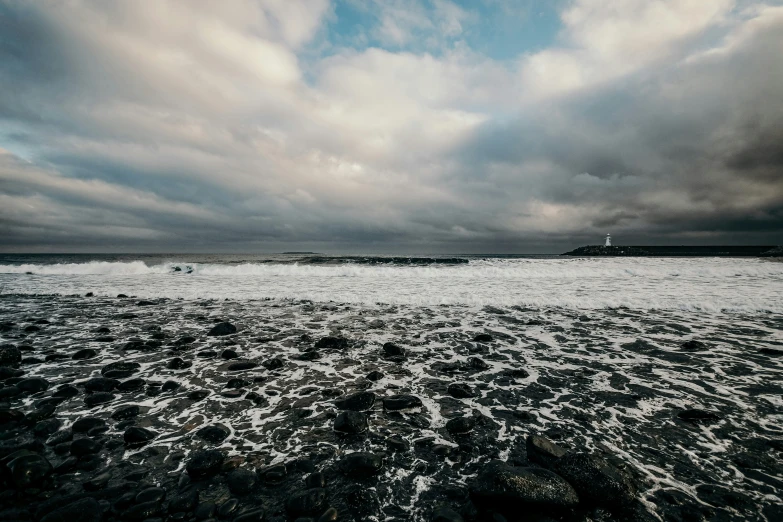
(629, 387)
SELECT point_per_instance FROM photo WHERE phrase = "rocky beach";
(130, 408)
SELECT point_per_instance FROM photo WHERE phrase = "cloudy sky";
(389, 125)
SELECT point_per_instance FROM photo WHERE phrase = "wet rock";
(361, 464)
(273, 364)
(83, 447)
(595, 480)
(255, 515)
(66, 392)
(238, 383)
(482, 338)
(8, 392)
(143, 511)
(82, 510)
(241, 365)
(59, 437)
(100, 384)
(460, 390)
(98, 398)
(241, 481)
(205, 511)
(460, 425)
(401, 402)
(228, 354)
(351, 423)
(332, 342)
(131, 385)
(151, 495)
(46, 427)
(374, 376)
(309, 502)
(228, 508)
(503, 488)
(184, 502)
(84, 353)
(221, 329)
(444, 514)
(475, 363)
(330, 515)
(33, 385)
(85, 424)
(214, 434)
(542, 451)
(696, 416)
(393, 350)
(315, 480)
(360, 401)
(125, 412)
(771, 351)
(97, 483)
(187, 339)
(198, 395)
(204, 463)
(693, 346)
(275, 474)
(135, 436)
(28, 469)
(177, 363)
(9, 354)
(120, 370)
(309, 355)
(169, 386)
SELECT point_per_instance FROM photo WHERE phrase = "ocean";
(701, 284)
(404, 379)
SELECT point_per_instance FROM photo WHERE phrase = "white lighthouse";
(608, 240)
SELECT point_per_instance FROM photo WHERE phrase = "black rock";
(273, 364)
(85, 446)
(222, 329)
(98, 398)
(361, 464)
(238, 383)
(351, 422)
(85, 424)
(482, 338)
(275, 474)
(84, 353)
(59, 437)
(507, 489)
(66, 392)
(444, 514)
(596, 481)
(228, 354)
(241, 365)
(332, 342)
(170, 386)
(100, 384)
(187, 339)
(125, 412)
(330, 515)
(177, 363)
(204, 463)
(10, 354)
(120, 370)
(205, 511)
(198, 395)
(46, 427)
(693, 346)
(255, 515)
(11, 416)
(393, 350)
(214, 434)
(151, 495)
(84, 509)
(143, 511)
(135, 436)
(28, 469)
(360, 401)
(67, 465)
(309, 502)
(145, 303)
(131, 384)
(375, 376)
(315, 480)
(241, 481)
(310, 355)
(98, 482)
(184, 502)
(460, 390)
(8, 392)
(228, 508)
(33, 385)
(477, 364)
(401, 402)
(699, 416)
(460, 425)
(542, 451)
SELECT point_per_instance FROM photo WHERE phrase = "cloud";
(242, 125)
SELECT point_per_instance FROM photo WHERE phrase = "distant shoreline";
(676, 251)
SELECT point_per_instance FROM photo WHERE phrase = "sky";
(389, 126)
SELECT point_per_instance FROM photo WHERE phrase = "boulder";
(10, 354)
(84, 510)
(361, 464)
(401, 402)
(332, 342)
(204, 463)
(214, 434)
(312, 501)
(360, 401)
(393, 350)
(135, 436)
(29, 469)
(595, 480)
(221, 329)
(33, 385)
(542, 451)
(460, 390)
(513, 490)
(351, 423)
(460, 425)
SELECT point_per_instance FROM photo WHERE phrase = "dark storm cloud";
(199, 126)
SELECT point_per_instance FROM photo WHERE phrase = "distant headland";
(677, 251)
